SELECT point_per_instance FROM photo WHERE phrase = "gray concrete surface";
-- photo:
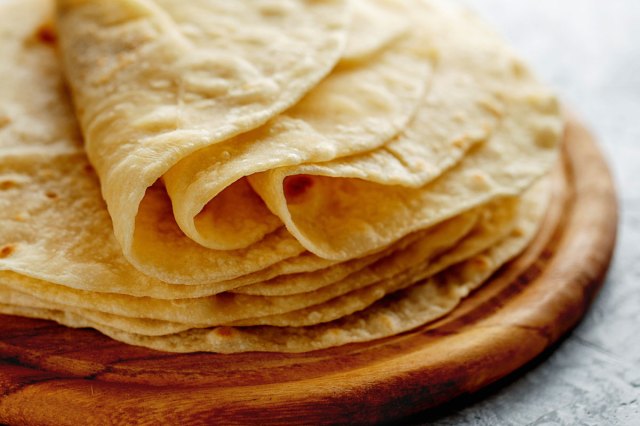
(589, 50)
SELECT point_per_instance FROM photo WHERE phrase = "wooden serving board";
(50, 374)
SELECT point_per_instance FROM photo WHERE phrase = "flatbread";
(52, 207)
(353, 109)
(375, 25)
(351, 206)
(402, 311)
(225, 307)
(264, 189)
(495, 221)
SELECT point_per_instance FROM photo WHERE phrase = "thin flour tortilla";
(494, 222)
(210, 199)
(441, 134)
(394, 272)
(51, 203)
(354, 108)
(388, 17)
(44, 186)
(225, 307)
(34, 231)
(353, 205)
(402, 311)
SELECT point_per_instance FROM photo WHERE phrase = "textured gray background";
(589, 50)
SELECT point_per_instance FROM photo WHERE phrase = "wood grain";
(54, 375)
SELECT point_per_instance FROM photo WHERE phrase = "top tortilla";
(145, 123)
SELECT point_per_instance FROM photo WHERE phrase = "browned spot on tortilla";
(21, 217)
(88, 168)
(459, 143)
(481, 263)
(7, 184)
(296, 186)
(4, 121)
(224, 331)
(46, 34)
(6, 250)
(518, 232)
(51, 194)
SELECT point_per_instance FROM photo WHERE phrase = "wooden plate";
(55, 375)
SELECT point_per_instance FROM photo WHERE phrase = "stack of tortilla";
(268, 175)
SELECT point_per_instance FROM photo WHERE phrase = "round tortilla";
(399, 312)
(264, 229)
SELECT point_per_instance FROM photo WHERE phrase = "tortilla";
(87, 256)
(264, 188)
(193, 154)
(399, 312)
(354, 205)
(387, 19)
(494, 222)
(226, 307)
(398, 270)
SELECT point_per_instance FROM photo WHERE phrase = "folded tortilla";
(342, 149)
(401, 311)
(197, 158)
(261, 176)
